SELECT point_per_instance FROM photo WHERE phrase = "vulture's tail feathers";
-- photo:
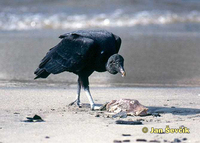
(41, 73)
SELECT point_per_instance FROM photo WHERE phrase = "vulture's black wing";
(71, 54)
(118, 42)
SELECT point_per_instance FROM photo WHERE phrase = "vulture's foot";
(76, 103)
(95, 107)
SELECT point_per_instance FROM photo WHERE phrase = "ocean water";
(60, 14)
(160, 39)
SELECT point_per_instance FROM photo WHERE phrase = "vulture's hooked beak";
(122, 71)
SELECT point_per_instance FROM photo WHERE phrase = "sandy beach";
(160, 46)
(178, 107)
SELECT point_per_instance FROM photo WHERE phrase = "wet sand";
(177, 106)
(153, 56)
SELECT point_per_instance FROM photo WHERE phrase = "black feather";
(41, 73)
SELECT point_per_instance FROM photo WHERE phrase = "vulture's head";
(115, 64)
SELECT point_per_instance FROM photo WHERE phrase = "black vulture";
(83, 52)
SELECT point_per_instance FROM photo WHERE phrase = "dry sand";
(177, 107)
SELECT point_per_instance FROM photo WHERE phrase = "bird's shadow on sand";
(174, 110)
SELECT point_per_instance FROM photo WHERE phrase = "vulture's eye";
(112, 62)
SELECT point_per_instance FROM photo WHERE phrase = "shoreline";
(57, 84)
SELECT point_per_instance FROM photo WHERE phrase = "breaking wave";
(29, 21)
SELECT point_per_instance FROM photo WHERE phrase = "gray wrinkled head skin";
(115, 64)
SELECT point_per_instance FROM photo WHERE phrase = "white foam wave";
(28, 21)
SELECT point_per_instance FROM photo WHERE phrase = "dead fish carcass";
(130, 106)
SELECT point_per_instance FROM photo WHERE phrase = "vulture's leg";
(85, 84)
(77, 101)
(89, 96)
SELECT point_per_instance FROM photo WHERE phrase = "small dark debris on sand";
(117, 141)
(148, 114)
(126, 141)
(35, 118)
(141, 140)
(47, 137)
(97, 115)
(176, 140)
(126, 135)
(154, 141)
(184, 139)
(151, 114)
(122, 122)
